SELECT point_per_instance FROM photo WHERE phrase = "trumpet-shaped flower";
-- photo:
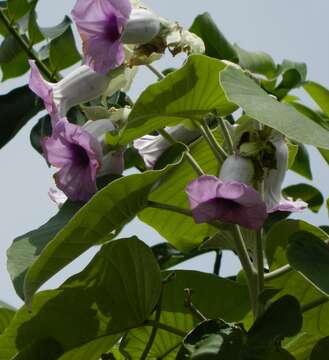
(81, 85)
(231, 202)
(104, 25)
(77, 152)
(151, 147)
(274, 199)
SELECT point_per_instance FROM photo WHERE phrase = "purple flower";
(151, 147)
(105, 25)
(231, 202)
(274, 199)
(78, 155)
(81, 85)
(101, 24)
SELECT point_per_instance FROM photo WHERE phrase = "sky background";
(296, 30)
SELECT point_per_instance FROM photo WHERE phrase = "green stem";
(172, 208)
(226, 135)
(165, 327)
(260, 270)
(25, 46)
(218, 151)
(155, 71)
(218, 260)
(154, 331)
(193, 309)
(277, 273)
(315, 303)
(248, 267)
(196, 167)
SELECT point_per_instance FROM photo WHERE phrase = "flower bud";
(274, 180)
(237, 168)
(141, 27)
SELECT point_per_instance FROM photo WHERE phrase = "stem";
(226, 135)
(315, 303)
(25, 46)
(155, 71)
(172, 208)
(189, 305)
(248, 267)
(164, 327)
(154, 331)
(218, 261)
(196, 167)
(218, 151)
(278, 272)
(260, 270)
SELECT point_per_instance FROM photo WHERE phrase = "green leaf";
(179, 230)
(6, 314)
(302, 164)
(189, 93)
(9, 49)
(283, 318)
(316, 320)
(306, 192)
(40, 130)
(16, 67)
(63, 52)
(319, 94)
(130, 282)
(109, 210)
(35, 34)
(39, 350)
(18, 8)
(310, 256)
(256, 62)
(17, 108)
(213, 339)
(244, 91)
(321, 349)
(215, 42)
(65, 315)
(278, 237)
(26, 248)
(233, 307)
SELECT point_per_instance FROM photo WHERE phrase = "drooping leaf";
(109, 210)
(35, 34)
(16, 67)
(17, 108)
(9, 49)
(62, 51)
(306, 192)
(189, 93)
(26, 248)
(302, 164)
(214, 339)
(18, 8)
(315, 320)
(243, 91)
(257, 62)
(283, 318)
(319, 94)
(217, 46)
(310, 256)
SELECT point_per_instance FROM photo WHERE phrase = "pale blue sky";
(297, 30)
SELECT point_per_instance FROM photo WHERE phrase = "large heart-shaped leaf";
(26, 248)
(310, 256)
(6, 314)
(243, 91)
(109, 210)
(189, 93)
